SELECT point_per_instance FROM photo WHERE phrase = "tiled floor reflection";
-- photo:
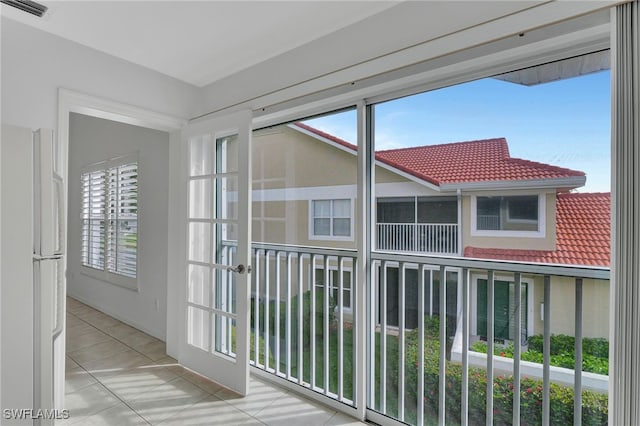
(118, 375)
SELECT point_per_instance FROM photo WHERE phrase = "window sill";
(508, 234)
(329, 238)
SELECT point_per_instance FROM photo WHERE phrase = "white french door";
(216, 297)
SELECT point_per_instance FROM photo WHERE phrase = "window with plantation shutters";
(110, 219)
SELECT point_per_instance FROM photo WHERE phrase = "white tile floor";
(118, 375)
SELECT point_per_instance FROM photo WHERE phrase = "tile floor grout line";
(206, 393)
(120, 341)
(88, 311)
(99, 382)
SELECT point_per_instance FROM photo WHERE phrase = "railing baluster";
(256, 308)
(300, 369)
(546, 352)
(277, 308)
(312, 338)
(360, 356)
(420, 398)
(490, 345)
(372, 291)
(517, 348)
(464, 414)
(383, 340)
(287, 331)
(442, 384)
(325, 333)
(340, 327)
(229, 305)
(267, 291)
(577, 369)
(430, 292)
(401, 324)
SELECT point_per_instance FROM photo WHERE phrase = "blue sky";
(565, 123)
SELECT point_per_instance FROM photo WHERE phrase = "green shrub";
(595, 354)
(306, 316)
(594, 409)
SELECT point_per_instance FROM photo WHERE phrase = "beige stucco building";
(494, 207)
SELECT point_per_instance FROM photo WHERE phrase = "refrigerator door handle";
(60, 308)
(59, 205)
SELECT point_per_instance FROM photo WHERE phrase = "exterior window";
(512, 213)
(331, 218)
(110, 218)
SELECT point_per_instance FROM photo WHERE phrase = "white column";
(624, 388)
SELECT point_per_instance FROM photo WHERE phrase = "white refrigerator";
(33, 274)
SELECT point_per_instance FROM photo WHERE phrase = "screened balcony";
(426, 225)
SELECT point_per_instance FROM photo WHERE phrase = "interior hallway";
(118, 375)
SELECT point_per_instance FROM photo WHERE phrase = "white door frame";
(71, 101)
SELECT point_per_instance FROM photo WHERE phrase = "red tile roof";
(474, 161)
(583, 224)
(582, 220)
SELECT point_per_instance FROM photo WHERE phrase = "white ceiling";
(198, 42)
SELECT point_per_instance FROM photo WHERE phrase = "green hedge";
(595, 352)
(306, 315)
(594, 409)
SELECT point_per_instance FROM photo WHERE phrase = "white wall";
(36, 64)
(91, 140)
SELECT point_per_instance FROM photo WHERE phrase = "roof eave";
(553, 183)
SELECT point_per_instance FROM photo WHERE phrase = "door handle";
(240, 269)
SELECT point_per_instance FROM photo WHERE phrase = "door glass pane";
(226, 237)
(227, 154)
(197, 327)
(227, 197)
(224, 293)
(199, 242)
(201, 155)
(224, 335)
(200, 198)
(199, 284)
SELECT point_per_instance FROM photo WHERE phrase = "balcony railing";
(421, 368)
(427, 238)
(298, 318)
(489, 222)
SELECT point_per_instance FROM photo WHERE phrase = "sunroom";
(346, 283)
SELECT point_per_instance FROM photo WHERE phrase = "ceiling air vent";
(27, 6)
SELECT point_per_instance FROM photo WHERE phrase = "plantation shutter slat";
(110, 219)
(93, 213)
(123, 220)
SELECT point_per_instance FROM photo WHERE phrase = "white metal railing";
(415, 379)
(489, 222)
(418, 372)
(298, 324)
(428, 238)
